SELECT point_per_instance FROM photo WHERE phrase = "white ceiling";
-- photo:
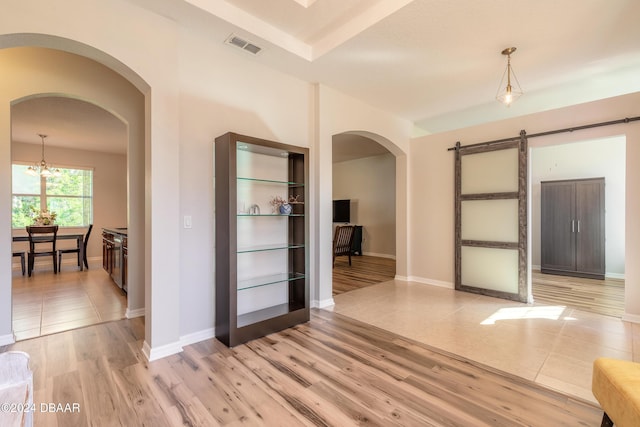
(69, 123)
(436, 63)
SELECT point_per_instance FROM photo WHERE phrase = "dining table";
(60, 236)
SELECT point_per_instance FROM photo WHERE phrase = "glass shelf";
(273, 247)
(262, 274)
(271, 181)
(256, 282)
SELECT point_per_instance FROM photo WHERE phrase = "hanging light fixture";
(42, 168)
(512, 90)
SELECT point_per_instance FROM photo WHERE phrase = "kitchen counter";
(116, 230)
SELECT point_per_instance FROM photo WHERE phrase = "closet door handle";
(578, 226)
(573, 225)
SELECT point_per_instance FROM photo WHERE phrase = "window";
(69, 195)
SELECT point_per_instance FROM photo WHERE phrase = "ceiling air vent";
(243, 44)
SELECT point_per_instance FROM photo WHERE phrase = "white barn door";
(491, 219)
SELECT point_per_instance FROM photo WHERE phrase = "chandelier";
(509, 93)
(42, 168)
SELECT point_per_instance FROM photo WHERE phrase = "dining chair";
(76, 250)
(42, 236)
(21, 255)
(343, 241)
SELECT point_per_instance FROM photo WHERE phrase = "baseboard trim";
(633, 318)
(195, 337)
(322, 304)
(401, 278)
(537, 269)
(161, 351)
(390, 256)
(7, 339)
(138, 312)
(432, 282)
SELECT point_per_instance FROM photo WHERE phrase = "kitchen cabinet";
(114, 255)
(125, 263)
(572, 227)
(261, 254)
(107, 251)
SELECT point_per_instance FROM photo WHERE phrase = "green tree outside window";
(69, 195)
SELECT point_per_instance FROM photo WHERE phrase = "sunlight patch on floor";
(551, 312)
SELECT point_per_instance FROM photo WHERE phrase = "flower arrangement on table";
(43, 217)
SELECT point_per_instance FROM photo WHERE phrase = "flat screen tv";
(342, 211)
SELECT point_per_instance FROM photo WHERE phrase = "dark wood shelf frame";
(230, 328)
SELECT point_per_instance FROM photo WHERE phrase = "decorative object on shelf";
(509, 93)
(43, 218)
(254, 210)
(293, 200)
(276, 203)
(285, 208)
(42, 168)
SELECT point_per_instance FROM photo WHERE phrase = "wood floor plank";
(344, 380)
(68, 401)
(268, 408)
(363, 271)
(331, 371)
(114, 347)
(315, 409)
(238, 380)
(430, 406)
(138, 398)
(218, 401)
(307, 366)
(389, 395)
(592, 295)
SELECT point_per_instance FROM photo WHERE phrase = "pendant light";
(42, 168)
(512, 90)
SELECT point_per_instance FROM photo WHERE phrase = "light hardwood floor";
(331, 371)
(596, 296)
(363, 271)
(338, 371)
(47, 303)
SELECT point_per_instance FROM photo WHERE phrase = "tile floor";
(551, 345)
(46, 303)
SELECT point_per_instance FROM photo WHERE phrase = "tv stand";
(356, 246)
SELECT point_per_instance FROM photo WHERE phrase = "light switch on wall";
(187, 221)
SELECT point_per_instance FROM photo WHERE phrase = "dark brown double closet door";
(573, 227)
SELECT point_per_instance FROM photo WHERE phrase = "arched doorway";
(88, 145)
(364, 176)
(39, 70)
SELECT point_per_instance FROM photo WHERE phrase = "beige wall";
(431, 188)
(370, 185)
(109, 186)
(222, 92)
(337, 113)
